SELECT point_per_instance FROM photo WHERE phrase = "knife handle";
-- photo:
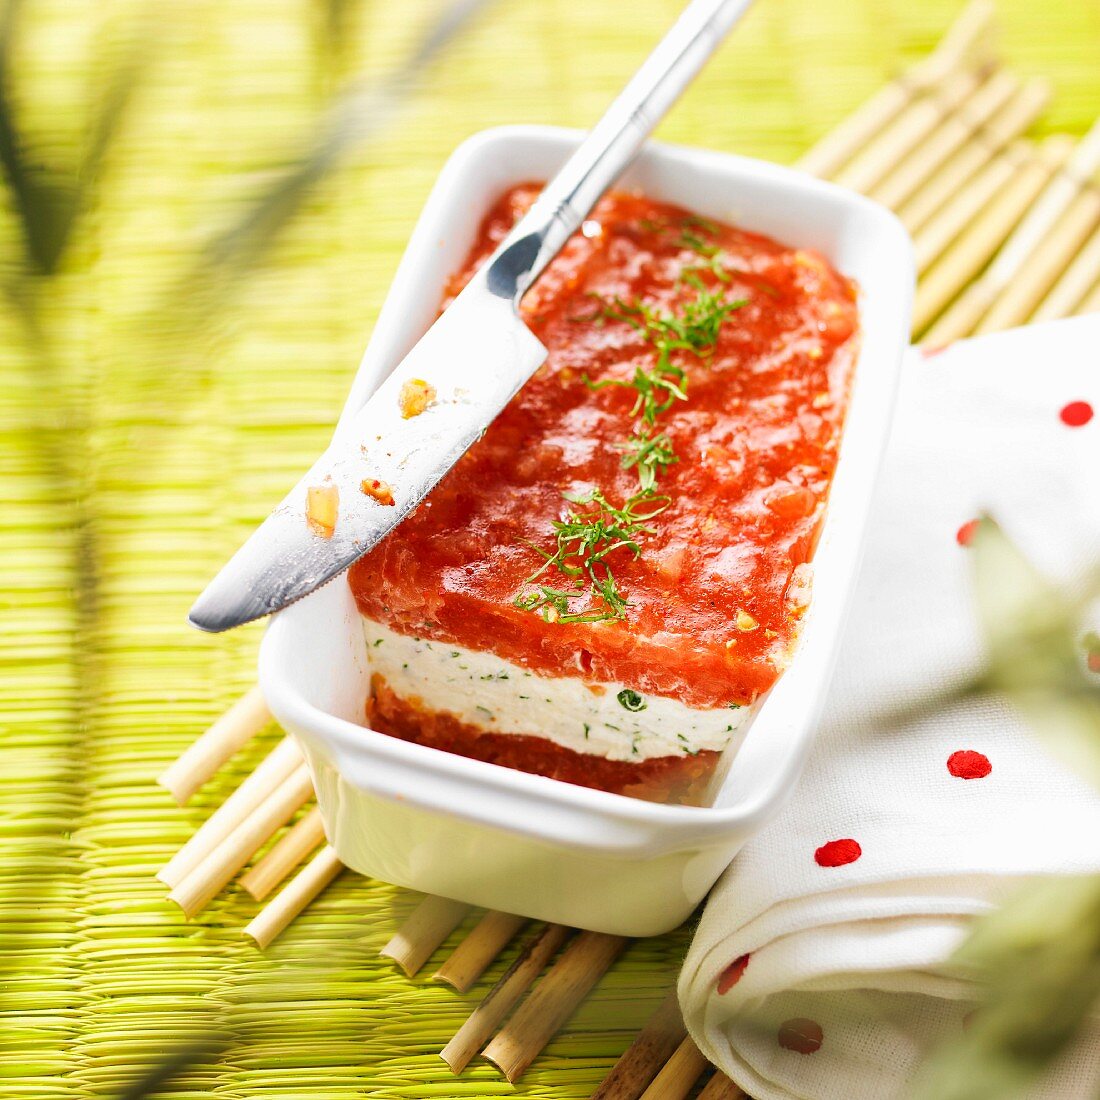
(610, 146)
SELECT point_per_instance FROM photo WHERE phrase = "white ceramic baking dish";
(521, 843)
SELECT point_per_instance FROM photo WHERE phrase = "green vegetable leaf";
(1038, 959)
(1035, 656)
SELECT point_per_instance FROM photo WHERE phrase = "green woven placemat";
(133, 465)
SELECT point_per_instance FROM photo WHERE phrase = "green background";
(141, 450)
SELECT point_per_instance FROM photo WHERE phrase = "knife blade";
(475, 358)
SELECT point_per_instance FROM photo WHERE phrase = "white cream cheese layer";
(608, 720)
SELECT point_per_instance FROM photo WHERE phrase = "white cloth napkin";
(856, 949)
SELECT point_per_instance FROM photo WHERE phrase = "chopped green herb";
(697, 221)
(631, 700)
(554, 606)
(378, 642)
(587, 730)
(596, 317)
(713, 264)
(702, 318)
(694, 329)
(650, 455)
(688, 239)
(692, 237)
(658, 389)
(584, 541)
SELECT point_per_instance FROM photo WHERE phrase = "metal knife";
(475, 357)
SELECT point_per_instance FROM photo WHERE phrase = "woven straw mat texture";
(139, 448)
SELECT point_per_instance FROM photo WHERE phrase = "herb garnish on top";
(584, 540)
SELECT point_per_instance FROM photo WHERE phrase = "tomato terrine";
(604, 584)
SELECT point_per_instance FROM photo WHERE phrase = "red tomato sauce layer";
(712, 599)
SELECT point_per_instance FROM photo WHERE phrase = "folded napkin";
(817, 969)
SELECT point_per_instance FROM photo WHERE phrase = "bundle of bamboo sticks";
(267, 800)
(573, 961)
(1005, 231)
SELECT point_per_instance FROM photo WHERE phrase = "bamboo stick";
(1091, 304)
(641, 1061)
(953, 133)
(968, 41)
(907, 132)
(429, 924)
(720, 1087)
(1057, 196)
(499, 1001)
(1073, 287)
(473, 955)
(273, 919)
(1039, 271)
(965, 44)
(679, 1073)
(974, 248)
(201, 885)
(1006, 254)
(839, 145)
(238, 725)
(952, 220)
(273, 770)
(1005, 126)
(552, 1002)
(291, 849)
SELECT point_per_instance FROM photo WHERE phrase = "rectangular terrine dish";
(530, 660)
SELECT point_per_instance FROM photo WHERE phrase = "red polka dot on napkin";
(968, 764)
(800, 1035)
(964, 536)
(1092, 651)
(930, 351)
(1076, 414)
(732, 974)
(836, 853)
